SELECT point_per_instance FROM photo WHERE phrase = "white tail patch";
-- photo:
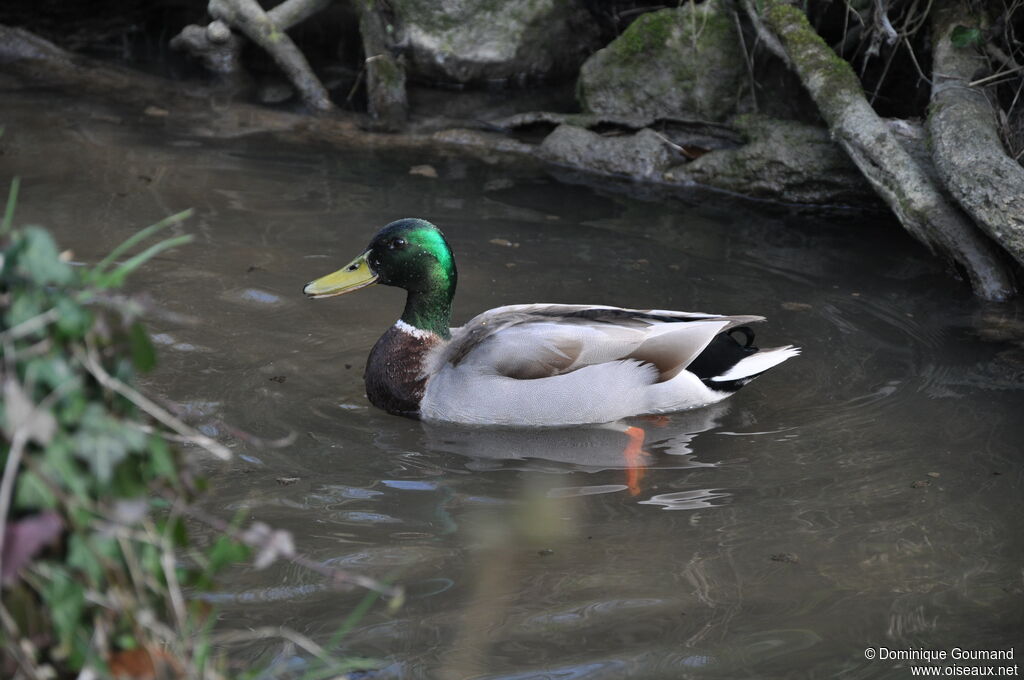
(758, 363)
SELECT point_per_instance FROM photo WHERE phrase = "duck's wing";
(528, 342)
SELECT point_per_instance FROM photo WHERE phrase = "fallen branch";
(221, 50)
(966, 148)
(249, 18)
(916, 200)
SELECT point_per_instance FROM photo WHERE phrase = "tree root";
(220, 50)
(916, 200)
(967, 151)
(385, 74)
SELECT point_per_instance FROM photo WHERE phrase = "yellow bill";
(353, 276)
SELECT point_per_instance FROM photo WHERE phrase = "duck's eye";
(396, 244)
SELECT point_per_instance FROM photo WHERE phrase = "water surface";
(865, 494)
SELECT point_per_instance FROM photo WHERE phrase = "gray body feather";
(545, 364)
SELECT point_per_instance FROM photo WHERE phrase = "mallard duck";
(535, 364)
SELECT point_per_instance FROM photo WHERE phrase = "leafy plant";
(962, 37)
(94, 495)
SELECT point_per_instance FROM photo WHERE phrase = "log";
(220, 50)
(917, 201)
(249, 18)
(966, 148)
(385, 74)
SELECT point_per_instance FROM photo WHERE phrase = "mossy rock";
(783, 160)
(643, 155)
(477, 41)
(682, 62)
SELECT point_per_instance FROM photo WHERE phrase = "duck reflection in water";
(633, 446)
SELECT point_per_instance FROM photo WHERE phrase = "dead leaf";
(423, 171)
(693, 152)
(25, 538)
(271, 544)
(21, 413)
(143, 664)
(498, 184)
(504, 243)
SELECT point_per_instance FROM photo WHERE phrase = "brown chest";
(394, 370)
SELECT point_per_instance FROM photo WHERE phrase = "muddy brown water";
(865, 495)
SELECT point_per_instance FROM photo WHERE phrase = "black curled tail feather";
(721, 354)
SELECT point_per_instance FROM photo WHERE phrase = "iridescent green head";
(411, 254)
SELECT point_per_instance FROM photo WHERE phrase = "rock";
(643, 155)
(781, 161)
(17, 44)
(458, 41)
(681, 62)
(784, 161)
(275, 91)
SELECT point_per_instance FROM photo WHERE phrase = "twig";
(995, 76)
(882, 16)
(766, 36)
(134, 569)
(881, 79)
(747, 57)
(167, 563)
(14, 455)
(913, 58)
(29, 326)
(92, 364)
(18, 441)
(296, 638)
(13, 644)
(1002, 57)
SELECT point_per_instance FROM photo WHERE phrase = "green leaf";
(962, 36)
(179, 532)
(60, 468)
(65, 600)
(27, 304)
(39, 260)
(72, 407)
(31, 493)
(86, 553)
(224, 552)
(161, 460)
(150, 557)
(73, 319)
(126, 641)
(128, 481)
(51, 371)
(143, 354)
(103, 441)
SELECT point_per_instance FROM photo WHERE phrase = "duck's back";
(546, 365)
